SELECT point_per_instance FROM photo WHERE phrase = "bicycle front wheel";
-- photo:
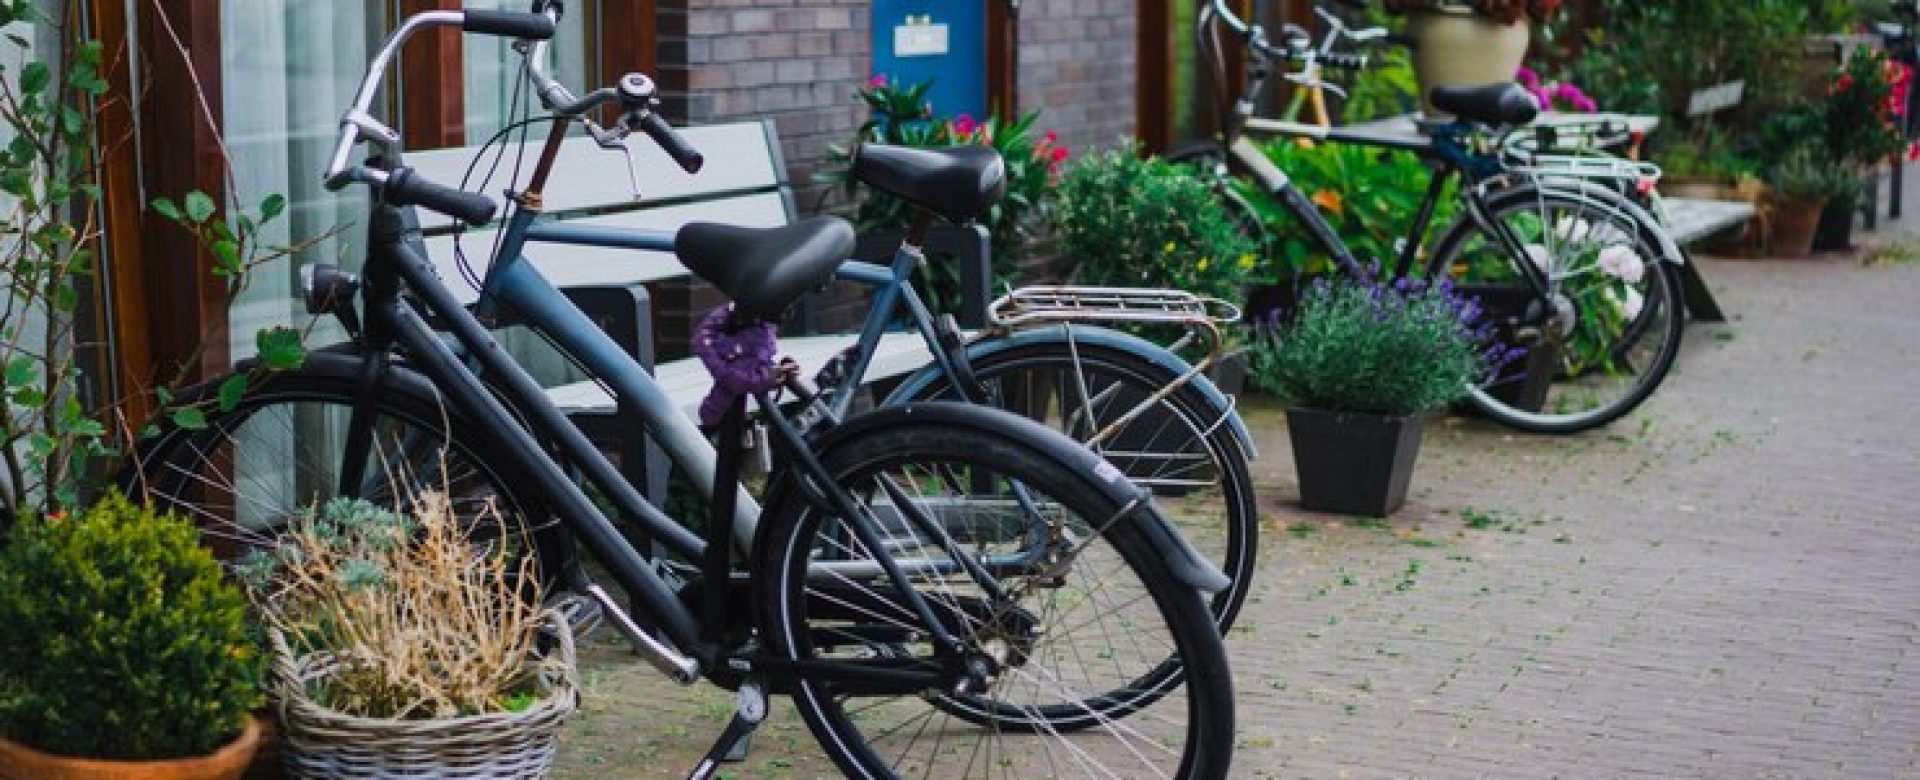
(1177, 444)
(300, 439)
(1608, 329)
(1054, 639)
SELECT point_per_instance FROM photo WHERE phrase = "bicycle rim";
(1604, 337)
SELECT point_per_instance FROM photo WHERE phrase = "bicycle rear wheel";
(1608, 331)
(1048, 681)
(1179, 446)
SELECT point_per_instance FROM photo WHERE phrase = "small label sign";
(919, 40)
(1718, 98)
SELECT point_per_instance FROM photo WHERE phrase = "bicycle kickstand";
(731, 746)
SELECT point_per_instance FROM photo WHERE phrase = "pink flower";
(1621, 262)
(1050, 137)
(964, 124)
(1528, 78)
(879, 81)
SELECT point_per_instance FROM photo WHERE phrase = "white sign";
(1718, 98)
(919, 40)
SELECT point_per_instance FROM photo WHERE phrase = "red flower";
(1060, 154)
(1050, 137)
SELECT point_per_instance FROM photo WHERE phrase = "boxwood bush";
(121, 639)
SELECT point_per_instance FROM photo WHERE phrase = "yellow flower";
(1246, 262)
(1204, 262)
(1168, 248)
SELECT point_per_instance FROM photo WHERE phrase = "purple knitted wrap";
(740, 361)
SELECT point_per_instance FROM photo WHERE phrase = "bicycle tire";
(1115, 373)
(198, 472)
(796, 535)
(1465, 245)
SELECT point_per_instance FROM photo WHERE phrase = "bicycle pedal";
(732, 744)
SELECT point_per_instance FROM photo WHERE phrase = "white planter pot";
(1460, 48)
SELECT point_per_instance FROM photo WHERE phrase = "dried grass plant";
(423, 621)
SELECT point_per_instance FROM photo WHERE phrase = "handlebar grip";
(508, 24)
(1357, 5)
(405, 188)
(676, 145)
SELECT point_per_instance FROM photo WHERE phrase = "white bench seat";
(686, 381)
(1691, 220)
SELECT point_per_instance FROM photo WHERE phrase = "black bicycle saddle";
(764, 270)
(956, 182)
(1492, 104)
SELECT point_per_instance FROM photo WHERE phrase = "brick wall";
(797, 62)
(1077, 65)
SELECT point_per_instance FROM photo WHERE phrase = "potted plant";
(402, 650)
(125, 653)
(1360, 365)
(1468, 42)
(1798, 189)
(1863, 110)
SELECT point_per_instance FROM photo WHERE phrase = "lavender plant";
(1376, 347)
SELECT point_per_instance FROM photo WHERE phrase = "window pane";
(493, 68)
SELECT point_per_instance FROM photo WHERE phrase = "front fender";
(918, 383)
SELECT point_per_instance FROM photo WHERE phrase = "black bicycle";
(1568, 266)
(926, 580)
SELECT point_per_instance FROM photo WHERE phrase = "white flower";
(1541, 259)
(1621, 262)
(1633, 304)
(1571, 229)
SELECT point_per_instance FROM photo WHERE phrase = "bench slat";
(739, 158)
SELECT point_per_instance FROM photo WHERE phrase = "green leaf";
(190, 418)
(22, 371)
(165, 207)
(271, 207)
(280, 348)
(34, 77)
(199, 206)
(226, 255)
(231, 390)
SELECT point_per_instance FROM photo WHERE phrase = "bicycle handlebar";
(360, 123)
(1299, 43)
(634, 92)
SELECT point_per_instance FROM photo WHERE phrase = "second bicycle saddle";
(1492, 104)
(956, 182)
(765, 269)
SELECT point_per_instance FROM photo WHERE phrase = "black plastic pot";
(1356, 464)
(1835, 233)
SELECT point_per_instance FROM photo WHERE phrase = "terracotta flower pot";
(1793, 226)
(1461, 48)
(19, 762)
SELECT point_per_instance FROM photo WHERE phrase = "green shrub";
(1374, 348)
(121, 639)
(1131, 222)
(1369, 195)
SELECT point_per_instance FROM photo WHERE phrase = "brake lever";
(616, 140)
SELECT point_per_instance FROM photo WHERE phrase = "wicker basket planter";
(319, 742)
